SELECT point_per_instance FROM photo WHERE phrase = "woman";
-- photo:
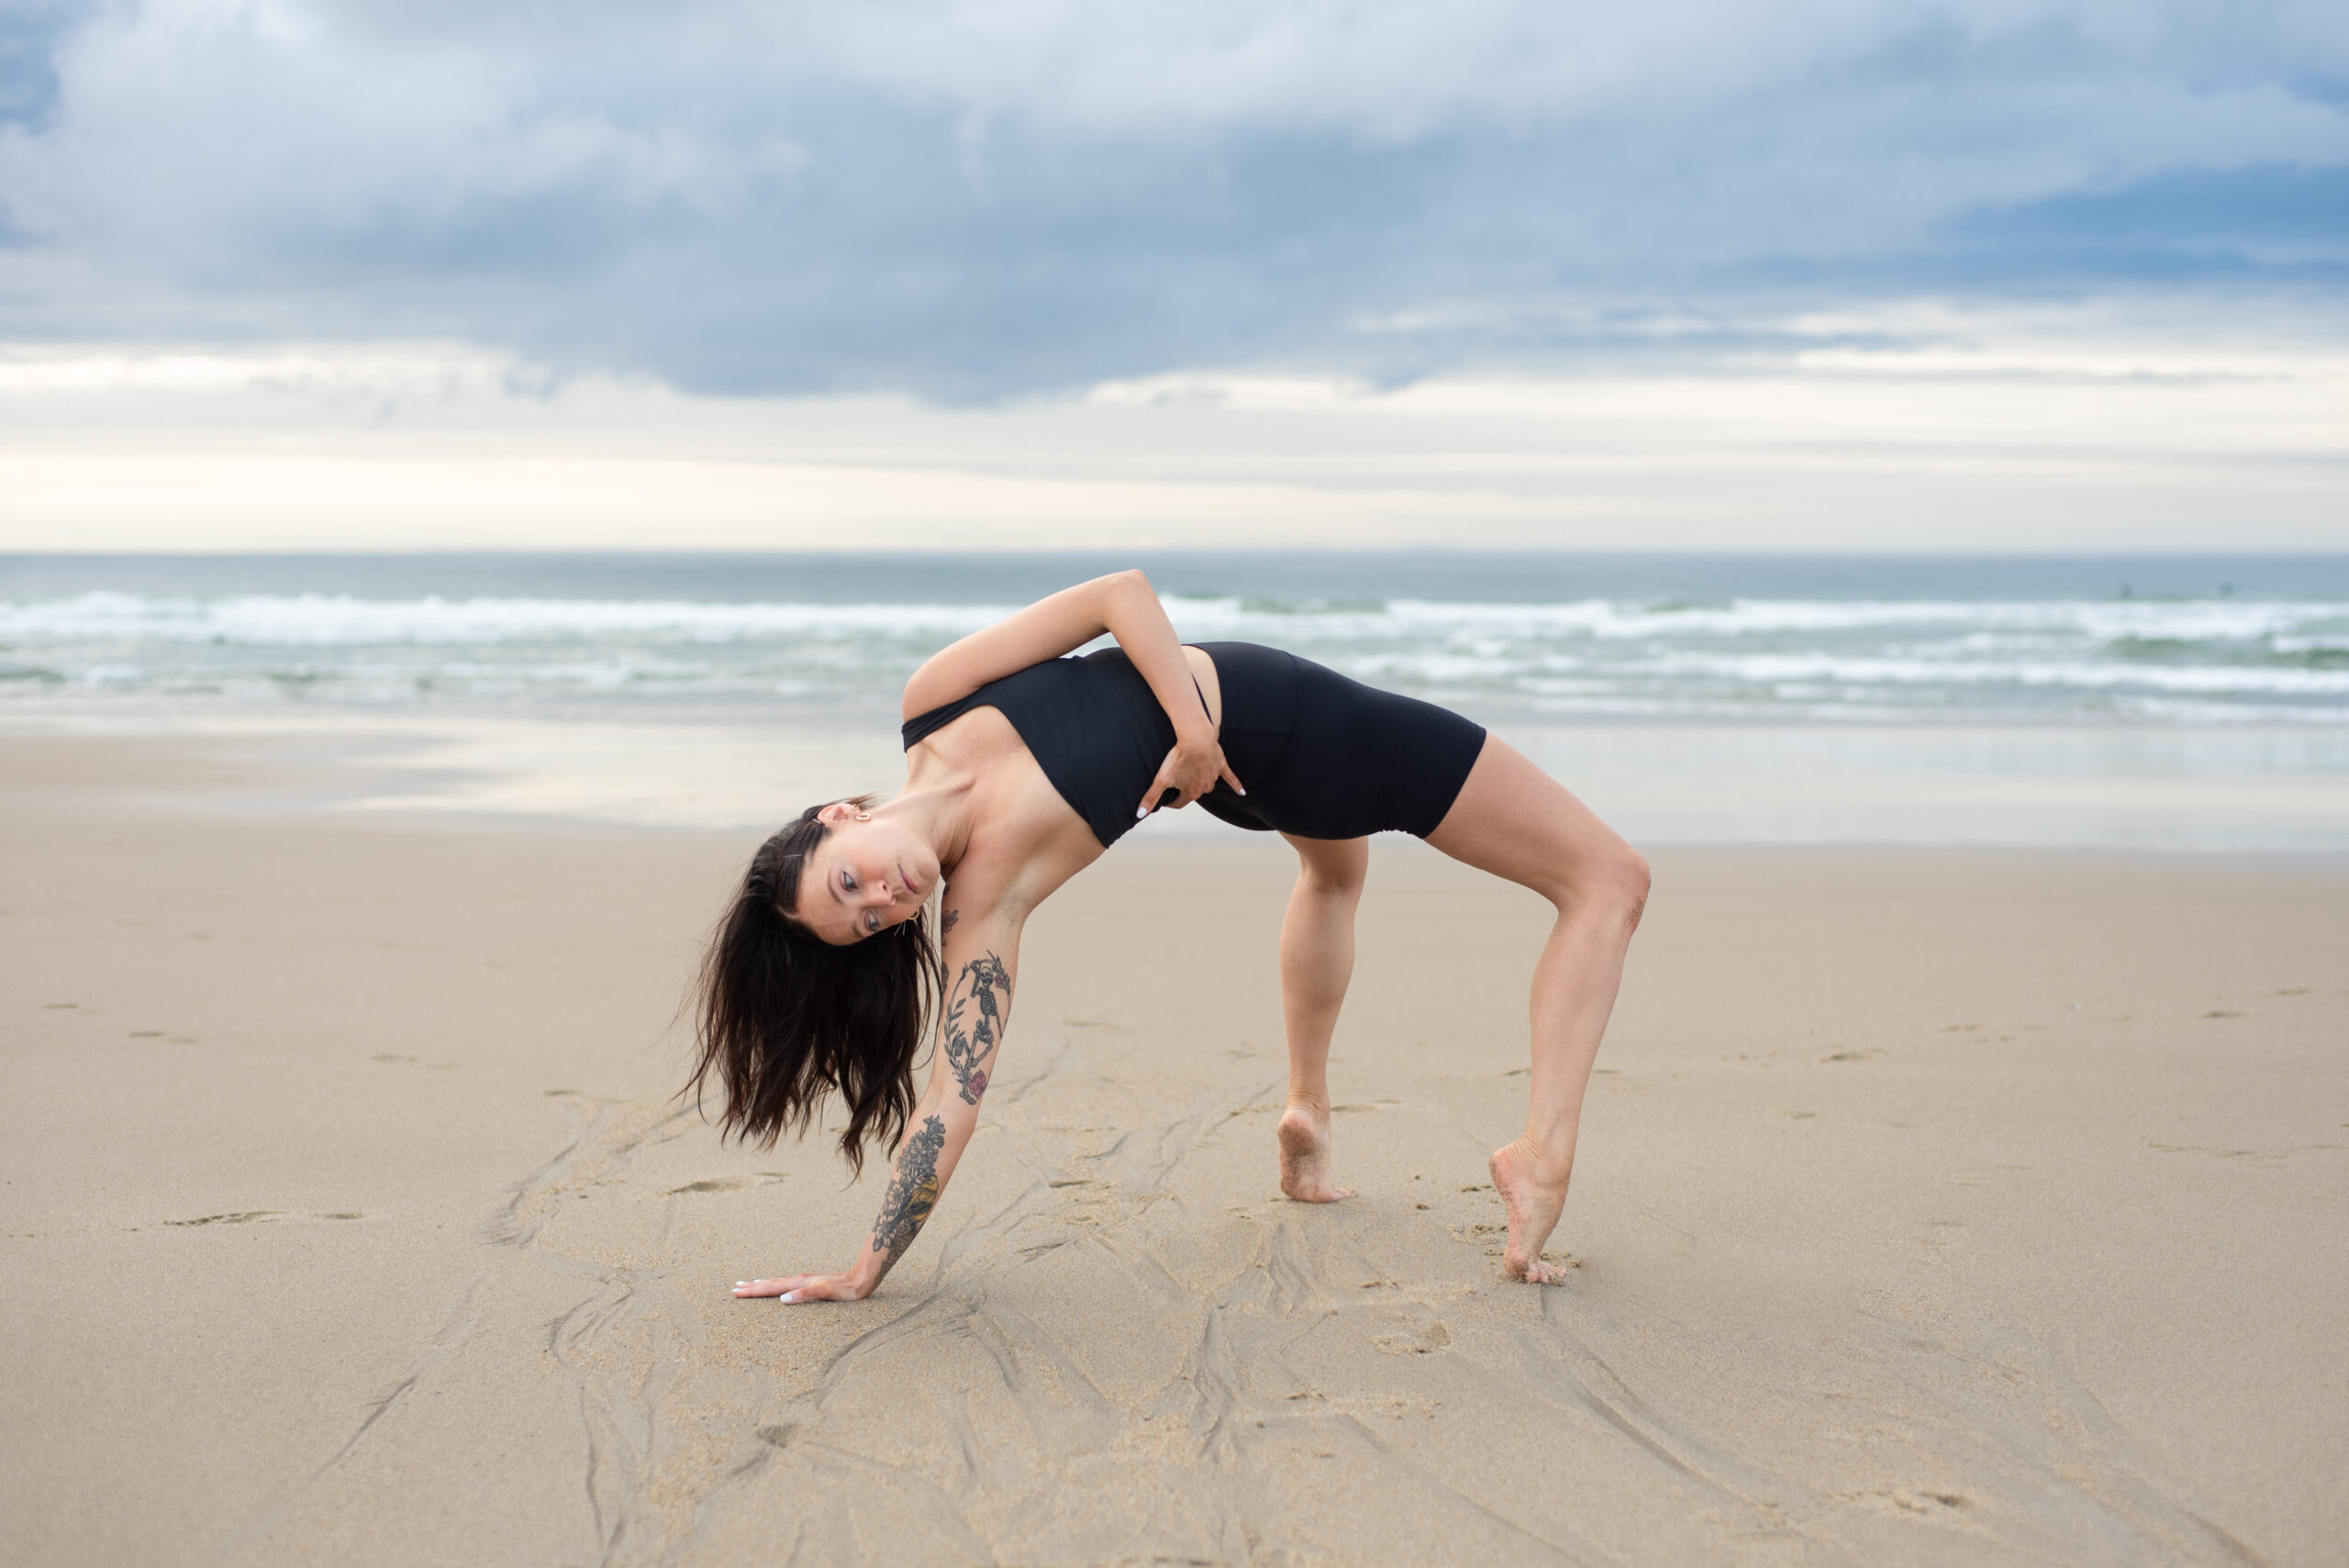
(1021, 767)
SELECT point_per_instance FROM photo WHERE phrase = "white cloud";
(1834, 274)
(970, 199)
(1940, 429)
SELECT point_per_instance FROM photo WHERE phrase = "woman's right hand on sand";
(797, 1288)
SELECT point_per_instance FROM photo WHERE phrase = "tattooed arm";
(981, 956)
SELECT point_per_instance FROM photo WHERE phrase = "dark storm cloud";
(971, 200)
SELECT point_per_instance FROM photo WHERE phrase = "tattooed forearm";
(913, 1193)
(973, 1023)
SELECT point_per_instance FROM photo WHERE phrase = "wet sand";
(1934, 1206)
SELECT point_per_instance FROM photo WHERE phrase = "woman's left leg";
(1514, 821)
(1317, 961)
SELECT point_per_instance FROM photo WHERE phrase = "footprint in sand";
(1496, 1239)
(1434, 1337)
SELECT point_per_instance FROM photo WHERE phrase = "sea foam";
(1858, 660)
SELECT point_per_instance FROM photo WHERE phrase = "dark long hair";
(785, 1017)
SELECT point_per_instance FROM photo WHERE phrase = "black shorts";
(1325, 757)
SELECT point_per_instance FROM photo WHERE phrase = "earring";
(864, 816)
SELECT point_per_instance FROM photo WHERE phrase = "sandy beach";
(1932, 1207)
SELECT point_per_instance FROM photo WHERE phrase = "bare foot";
(1534, 1203)
(1305, 1156)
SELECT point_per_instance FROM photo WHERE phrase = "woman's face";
(863, 878)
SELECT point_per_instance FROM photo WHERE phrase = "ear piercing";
(864, 816)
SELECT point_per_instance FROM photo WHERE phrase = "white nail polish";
(1141, 812)
(789, 1298)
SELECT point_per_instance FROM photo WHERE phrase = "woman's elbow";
(1121, 593)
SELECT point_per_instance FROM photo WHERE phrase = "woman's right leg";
(1317, 961)
(1514, 821)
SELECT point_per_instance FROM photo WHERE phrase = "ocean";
(1702, 640)
(1821, 673)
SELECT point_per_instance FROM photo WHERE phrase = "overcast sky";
(905, 239)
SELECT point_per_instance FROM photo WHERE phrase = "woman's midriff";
(1210, 685)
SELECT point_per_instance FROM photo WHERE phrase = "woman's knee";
(1333, 868)
(1612, 879)
(1629, 875)
(1335, 886)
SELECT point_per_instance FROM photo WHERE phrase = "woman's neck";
(937, 805)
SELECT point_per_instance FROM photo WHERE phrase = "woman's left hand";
(1190, 770)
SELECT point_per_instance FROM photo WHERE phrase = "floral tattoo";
(913, 1193)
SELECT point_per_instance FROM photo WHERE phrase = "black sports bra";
(1093, 725)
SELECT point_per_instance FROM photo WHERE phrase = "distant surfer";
(1023, 766)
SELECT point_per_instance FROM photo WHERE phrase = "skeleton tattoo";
(973, 1023)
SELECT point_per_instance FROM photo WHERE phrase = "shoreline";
(352, 1218)
(2269, 790)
